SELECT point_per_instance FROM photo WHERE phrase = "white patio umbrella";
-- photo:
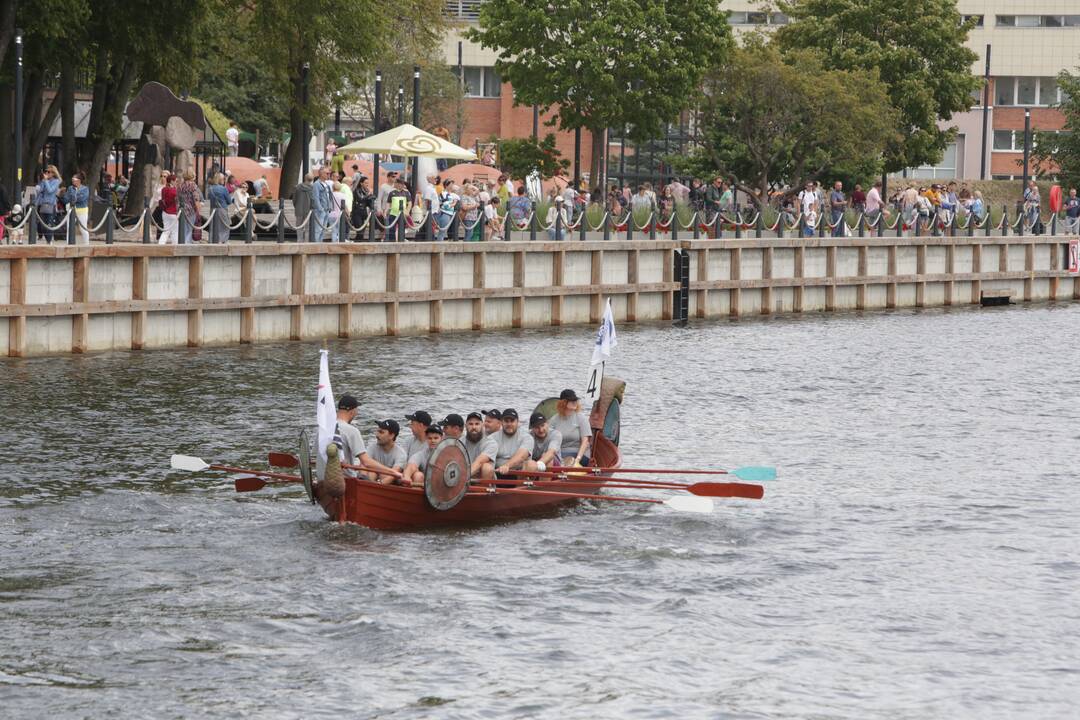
(409, 141)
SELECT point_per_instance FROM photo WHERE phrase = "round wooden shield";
(447, 476)
(548, 407)
(613, 421)
(1056, 199)
(304, 455)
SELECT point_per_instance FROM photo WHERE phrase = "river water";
(918, 556)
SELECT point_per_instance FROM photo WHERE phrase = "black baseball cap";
(568, 394)
(433, 430)
(391, 425)
(537, 419)
(347, 402)
(509, 414)
(494, 412)
(474, 414)
(420, 416)
(453, 420)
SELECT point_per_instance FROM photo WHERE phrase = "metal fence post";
(109, 230)
(1020, 224)
(181, 227)
(432, 223)
(630, 224)
(343, 224)
(71, 227)
(147, 219)
(738, 221)
(696, 222)
(718, 226)
(881, 222)
(312, 224)
(862, 223)
(31, 232)
(583, 224)
(653, 218)
(558, 222)
(281, 220)
(674, 224)
(759, 228)
(249, 221)
(1004, 221)
(1053, 224)
(607, 224)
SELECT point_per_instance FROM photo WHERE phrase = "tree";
(606, 63)
(521, 156)
(917, 47)
(763, 122)
(1058, 153)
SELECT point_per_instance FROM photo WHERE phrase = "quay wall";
(71, 298)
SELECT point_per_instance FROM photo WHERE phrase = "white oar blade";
(690, 503)
(187, 462)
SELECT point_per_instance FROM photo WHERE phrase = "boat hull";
(393, 507)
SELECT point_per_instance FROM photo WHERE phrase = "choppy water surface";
(918, 558)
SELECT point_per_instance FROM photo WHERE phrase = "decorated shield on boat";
(613, 421)
(447, 476)
(548, 407)
(304, 455)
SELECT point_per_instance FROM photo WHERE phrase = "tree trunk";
(106, 119)
(67, 117)
(138, 187)
(292, 163)
(38, 132)
(599, 154)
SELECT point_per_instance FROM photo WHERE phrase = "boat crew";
(414, 470)
(350, 442)
(482, 448)
(453, 426)
(419, 422)
(546, 442)
(574, 428)
(492, 421)
(515, 445)
(386, 450)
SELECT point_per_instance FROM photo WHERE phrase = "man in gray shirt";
(482, 448)
(419, 422)
(386, 450)
(350, 443)
(515, 445)
(547, 443)
(417, 465)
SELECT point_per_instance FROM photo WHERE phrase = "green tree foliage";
(1059, 153)
(605, 63)
(917, 48)
(764, 123)
(521, 156)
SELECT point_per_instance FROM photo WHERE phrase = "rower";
(386, 450)
(414, 470)
(574, 427)
(547, 443)
(350, 442)
(419, 422)
(482, 449)
(453, 426)
(492, 422)
(515, 446)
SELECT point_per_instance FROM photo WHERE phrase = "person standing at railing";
(1031, 207)
(46, 200)
(837, 206)
(169, 209)
(858, 199)
(1072, 212)
(78, 198)
(397, 208)
(219, 208)
(978, 208)
(190, 199)
(873, 206)
(321, 199)
(713, 195)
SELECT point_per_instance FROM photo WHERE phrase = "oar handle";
(260, 473)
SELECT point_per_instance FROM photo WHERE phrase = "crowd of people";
(496, 442)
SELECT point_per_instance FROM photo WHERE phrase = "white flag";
(605, 337)
(325, 410)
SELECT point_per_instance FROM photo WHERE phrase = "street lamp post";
(17, 185)
(1027, 150)
(305, 140)
(416, 122)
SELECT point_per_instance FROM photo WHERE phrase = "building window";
(1006, 21)
(740, 17)
(1030, 91)
(1004, 91)
(1037, 21)
(1048, 91)
(1027, 90)
(481, 82)
(978, 19)
(944, 169)
(1003, 140)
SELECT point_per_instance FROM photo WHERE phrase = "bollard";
(821, 223)
(343, 224)
(630, 224)
(31, 232)
(738, 222)
(482, 221)
(432, 223)
(862, 224)
(1053, 224)
(281, 220)
(147, 219)
(653, 218)
(900, 223)
(71, 227)
(532, 223)
(971, 224)
(109, 218)
(372, 222)
(780, 224)
(696, 222)
(989, 223)
(1020, 225)
(952, 224)
(181, 227)
(607, 225)
(674, 224)
(558, 222)
(249, 221)
(583, 225)
(312, 224)
(718, 227)
(1004, 221)
(760, 222)
(881, 222)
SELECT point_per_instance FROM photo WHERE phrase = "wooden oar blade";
(737, 490)
(690, 503)
(187, 462)
(283, 460)
(755, 474)
(249, 484)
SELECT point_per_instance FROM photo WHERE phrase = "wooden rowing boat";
(394, 507)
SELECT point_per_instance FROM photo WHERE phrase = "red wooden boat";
(394, 507)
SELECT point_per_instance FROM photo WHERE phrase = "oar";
(685, 503)
(251, 484)
(284, 460)
(574, 477)
(704, 489)
(750, 473)
(194, 464)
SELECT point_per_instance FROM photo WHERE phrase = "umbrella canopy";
(408, 141)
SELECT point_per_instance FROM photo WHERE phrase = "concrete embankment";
(64, 298)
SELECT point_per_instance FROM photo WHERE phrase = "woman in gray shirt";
(572, 424)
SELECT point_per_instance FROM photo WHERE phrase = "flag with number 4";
(605, 343)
